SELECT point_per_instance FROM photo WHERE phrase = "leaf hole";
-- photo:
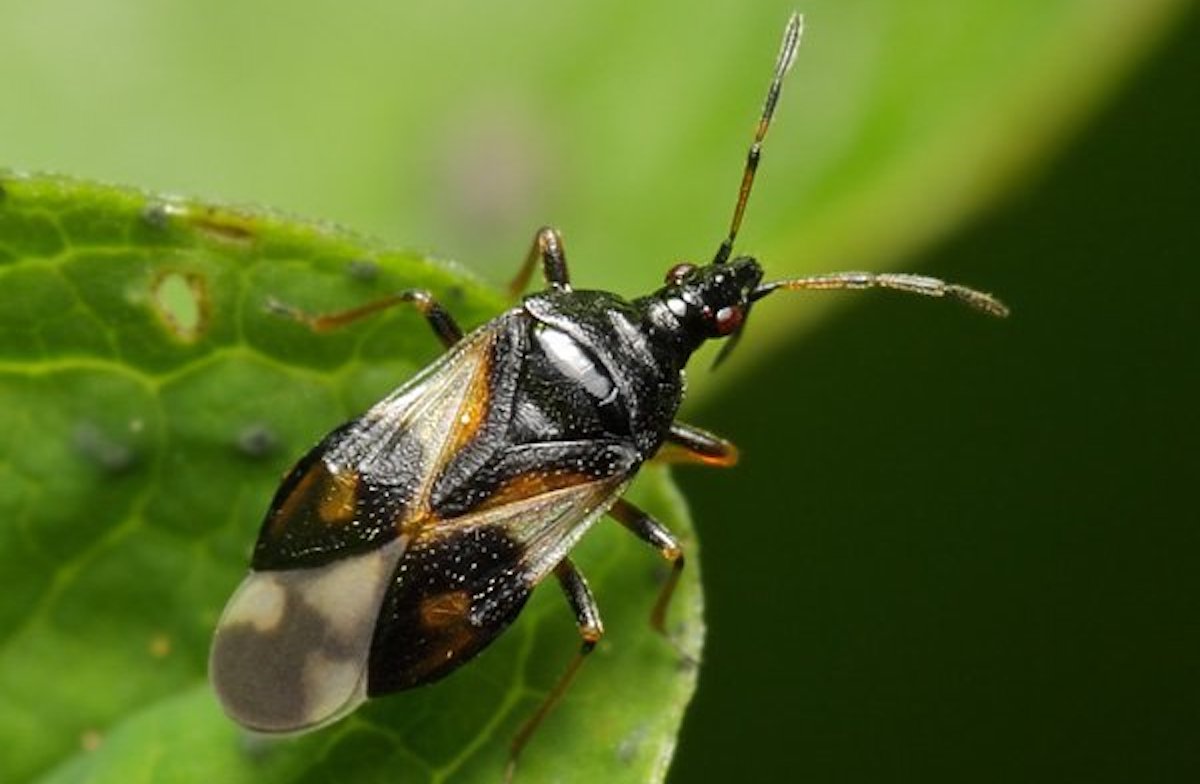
(182, 302)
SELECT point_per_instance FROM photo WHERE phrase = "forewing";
(356, 490)
(462, 582)
(291, 649)
(544, 527)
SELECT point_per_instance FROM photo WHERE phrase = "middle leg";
(688, 444)
(591, 629)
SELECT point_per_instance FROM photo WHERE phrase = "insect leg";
(547, 246)
(688, 444)
(654, 533)
(591, 629)
(439, 318)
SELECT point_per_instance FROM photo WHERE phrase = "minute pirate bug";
(406, 540)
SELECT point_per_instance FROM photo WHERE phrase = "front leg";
(688, 444)
(547, 246)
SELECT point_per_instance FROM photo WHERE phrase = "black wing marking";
(368, 481)
(462, 583)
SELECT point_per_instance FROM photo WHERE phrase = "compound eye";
(727, 320)
(676, 274)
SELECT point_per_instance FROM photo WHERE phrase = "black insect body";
(409, 538)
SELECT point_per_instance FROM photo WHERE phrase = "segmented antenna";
(787, 55)
(912, 284)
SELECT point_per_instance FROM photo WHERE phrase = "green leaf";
(150, 403)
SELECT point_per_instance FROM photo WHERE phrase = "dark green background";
(959, 550)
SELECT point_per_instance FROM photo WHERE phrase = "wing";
(461, 583)
(365, 482)
(300, 648)
(291, 649)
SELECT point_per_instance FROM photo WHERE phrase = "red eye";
(680, 271)
(728, 320)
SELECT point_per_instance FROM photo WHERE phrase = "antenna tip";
(791, 42)
(979, 300)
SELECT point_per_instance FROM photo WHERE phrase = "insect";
(406, 540)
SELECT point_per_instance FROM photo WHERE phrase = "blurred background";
(956, 549)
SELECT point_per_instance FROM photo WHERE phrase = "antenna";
(897, 281)
(787, 55)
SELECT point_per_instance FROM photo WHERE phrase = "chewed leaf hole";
(182, 302)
